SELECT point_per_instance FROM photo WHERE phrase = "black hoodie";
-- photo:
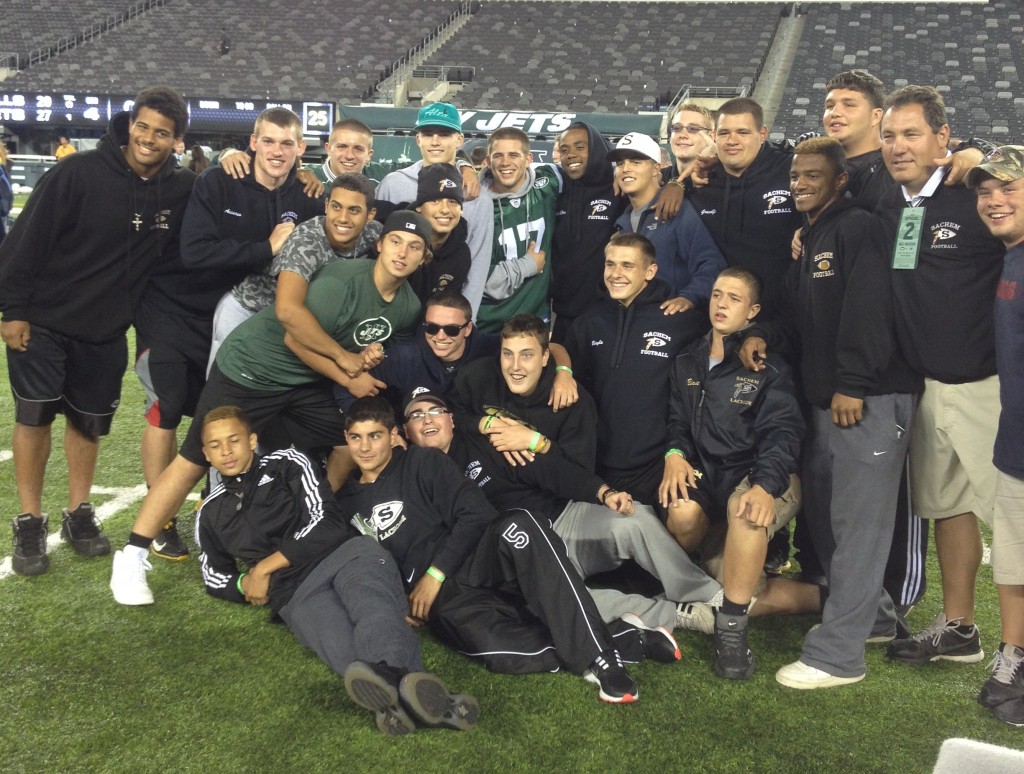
(752, 218)
(448, 267)
(80, 253)
(585, 215)
(623, 355)
(840, 308)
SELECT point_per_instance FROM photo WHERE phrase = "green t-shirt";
(348, 306)
(519, 220)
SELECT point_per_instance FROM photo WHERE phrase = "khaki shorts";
(713, 548)
(951, 470)
(1008, 531)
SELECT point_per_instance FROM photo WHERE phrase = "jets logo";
(514, 203)
(374, 329)
(540, 182)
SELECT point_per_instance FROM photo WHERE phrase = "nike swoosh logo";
(409, 580)
(880, 453)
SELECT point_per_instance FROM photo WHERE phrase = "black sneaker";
(375, 687)
(658, 643)
(168, 545)
(81, 529)
(608, 673)
(427, 699)
(30, 544)
(733, 657)
(939, 642)
(1007, 680)
(1010, 712)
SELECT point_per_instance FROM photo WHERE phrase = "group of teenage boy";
(452, 398)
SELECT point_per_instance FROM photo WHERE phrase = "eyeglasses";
(419, 415)
(451, 331)
(688, 128)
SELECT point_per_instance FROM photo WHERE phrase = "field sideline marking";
(124, 497)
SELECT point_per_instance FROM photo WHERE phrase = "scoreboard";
(64, 110)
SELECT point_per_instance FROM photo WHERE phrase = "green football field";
(192, 683)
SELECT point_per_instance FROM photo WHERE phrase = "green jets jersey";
(520, 219)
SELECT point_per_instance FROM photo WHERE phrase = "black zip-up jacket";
(839, 309)
(944, 307)
(730, 422)
(623, 354)
(585, 215)
(78, 257)
(228, 224)
(279, 504)
(545, 486)
(752, 218)
(480, 390)
(448, 267)
(422, 510)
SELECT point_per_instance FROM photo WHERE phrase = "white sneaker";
(128, 579)
(804, 677)
(695, 616)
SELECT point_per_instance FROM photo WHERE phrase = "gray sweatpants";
(599, 540)
(850, 483)
(352, 607)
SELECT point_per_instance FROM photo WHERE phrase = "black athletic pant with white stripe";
(519, 605)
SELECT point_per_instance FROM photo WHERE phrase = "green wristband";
(535, 441)
(436, 574)
(674, 451)
(487, 422)
(239, 583)
(564, 368)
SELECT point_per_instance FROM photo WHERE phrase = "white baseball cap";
(636, 145)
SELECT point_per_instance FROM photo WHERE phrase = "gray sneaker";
(695, 616)
(939, 642)
(733, 658)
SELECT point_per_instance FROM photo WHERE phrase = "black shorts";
(308, 416)
(712, 501)
(58, 374)
(172, 353)
(641, 483)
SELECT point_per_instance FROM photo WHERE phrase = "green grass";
(192, 683)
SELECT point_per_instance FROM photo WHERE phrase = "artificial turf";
(193, 683)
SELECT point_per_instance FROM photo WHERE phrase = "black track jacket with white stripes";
(279, 504)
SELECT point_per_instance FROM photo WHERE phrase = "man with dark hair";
(439, 199)
(339, 593)
(498, 587)
(839, 312)
(72, 272)
(273, 379)
(238, 225)
(687, 256)
(946, 268)
(523, 199)
(622, 347)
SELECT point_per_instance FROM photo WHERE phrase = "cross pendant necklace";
(137, 222)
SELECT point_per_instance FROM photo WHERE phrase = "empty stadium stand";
(970, 52)
(306, 49)
(606, 56)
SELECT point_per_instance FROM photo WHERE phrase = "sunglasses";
(451, 331)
